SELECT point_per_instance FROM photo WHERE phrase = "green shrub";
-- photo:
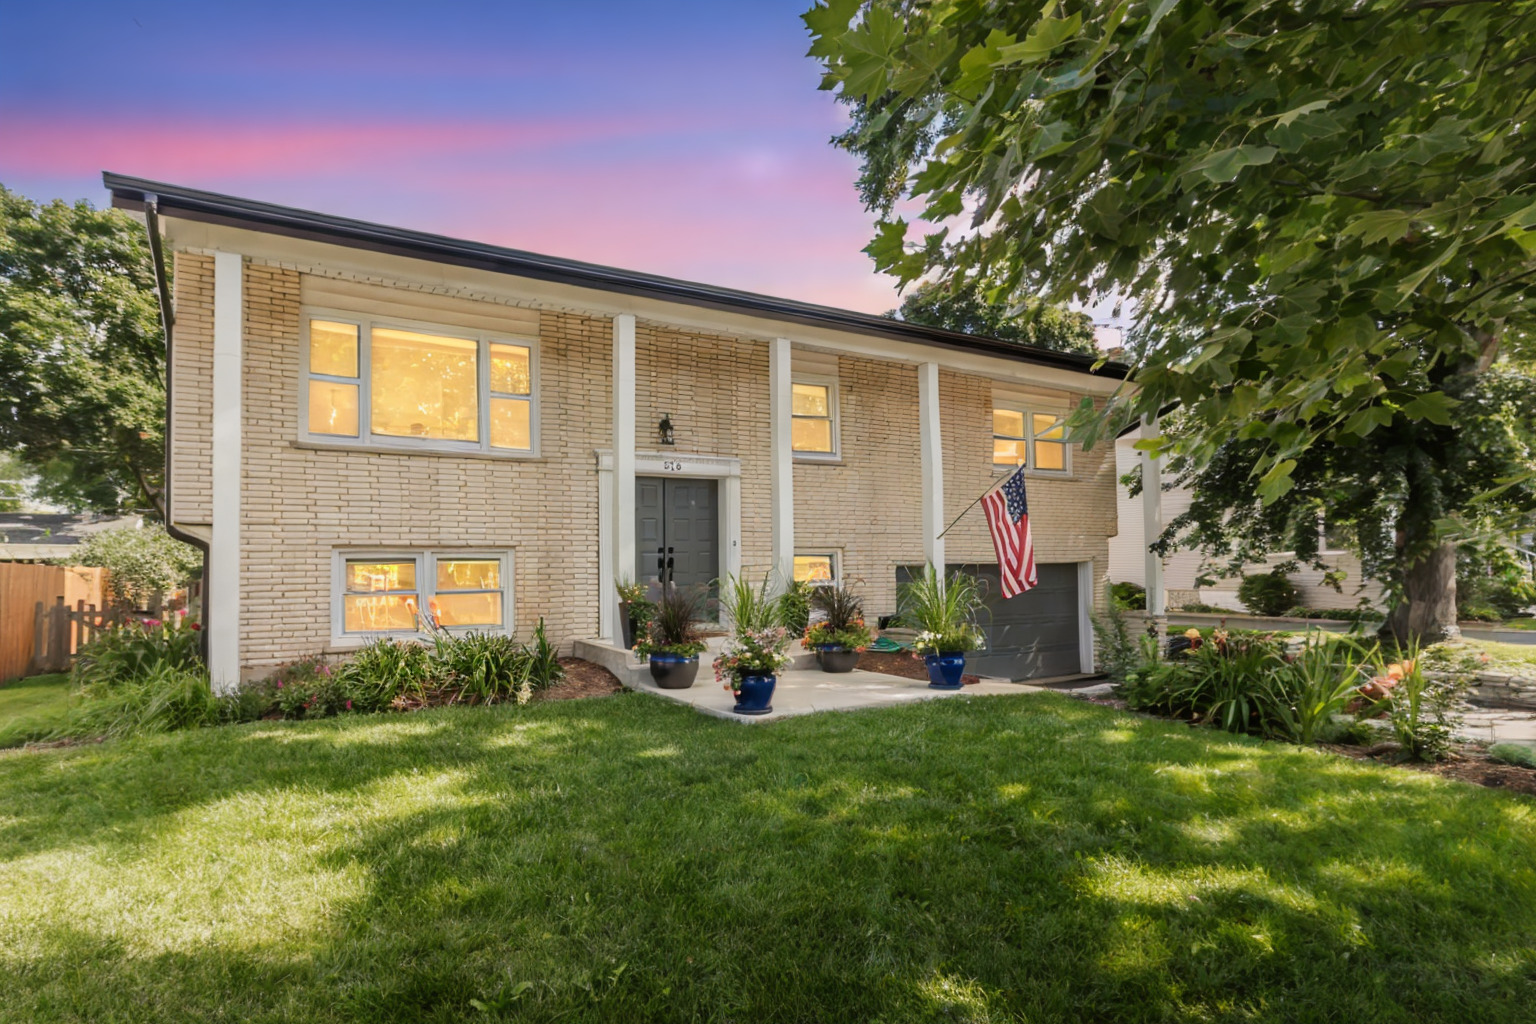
(483, 667)
(382, 671)
(136, 650)
(793, 609)
(1129, 597)
(1423, 711)
(546, 670)
(1269, 593)
(161, 700)
(140, 563)
(1307, 691)
(1513, 753)
(1335, 614)
(1120, 650)
(1201, 608)
(1224, 681)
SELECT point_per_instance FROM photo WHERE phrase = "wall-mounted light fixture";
(664, 429)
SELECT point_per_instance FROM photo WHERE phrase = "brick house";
(365, 419)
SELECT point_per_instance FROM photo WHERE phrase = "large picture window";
(403, 592)
(407, 386)
(1024, 437)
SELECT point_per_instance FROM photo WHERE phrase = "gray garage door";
(1031, 635)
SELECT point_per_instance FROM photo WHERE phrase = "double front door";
(677, 531)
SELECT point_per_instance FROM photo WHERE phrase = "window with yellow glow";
(407, 592)
(380, 597)
(1035, 439)
(813, 418)
(469, 592)
(370, 381)
(816, 569)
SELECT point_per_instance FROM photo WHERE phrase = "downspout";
(168, 322)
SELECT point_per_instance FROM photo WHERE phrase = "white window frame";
(1029, 412)
(820, 380)
(365, 437)
(426, 588)
(837, 564)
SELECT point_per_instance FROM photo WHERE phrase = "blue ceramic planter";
(945, 670)
(673, 671)
(756, 695)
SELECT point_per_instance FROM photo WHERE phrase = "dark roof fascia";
(212, 208)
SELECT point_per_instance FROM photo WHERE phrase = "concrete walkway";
(802, 691)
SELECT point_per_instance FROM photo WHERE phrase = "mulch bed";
(1466, 763)
(902, 664)
(582, 679)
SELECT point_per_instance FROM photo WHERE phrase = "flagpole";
(973, 504)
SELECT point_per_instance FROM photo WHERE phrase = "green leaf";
(1277, 481)
(1158, 13)
(1379, 225)
(1434, 406)
(1226, 164)
(1043, 37)
(1306, 108)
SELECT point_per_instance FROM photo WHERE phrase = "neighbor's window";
(818, 570)
(1034, 439)
(437, 390)
(813, 423)
(398, 592)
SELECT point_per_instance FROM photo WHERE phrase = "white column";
(932, 447)
(623, 454)
(1152, 521)
(223, 598)
(607, 607)
(781, 405)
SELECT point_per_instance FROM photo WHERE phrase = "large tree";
(968, 306)
(1322, 211)
(82, 395)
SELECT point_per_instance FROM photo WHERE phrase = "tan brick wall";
(870, 505)
(299, 504)
(192, 391)
(1071, 518)
(716, 390)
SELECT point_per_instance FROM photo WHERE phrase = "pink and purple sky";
(679, 137)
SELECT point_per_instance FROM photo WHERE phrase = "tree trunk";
(1427, 611)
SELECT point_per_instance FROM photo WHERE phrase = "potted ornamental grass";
(750, 661)
(839, 636)
(944, 614)
(671, 638)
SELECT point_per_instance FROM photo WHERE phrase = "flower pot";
(754, 694)
(836, 659)
(627, 625)
(945, 670)
(673, 671)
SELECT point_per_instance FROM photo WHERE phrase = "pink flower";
(181, 613)
(279, 684)
(153, 623)
(349, 705)
(325, 670)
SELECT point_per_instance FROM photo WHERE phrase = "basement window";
(819, 570)
(381, 593)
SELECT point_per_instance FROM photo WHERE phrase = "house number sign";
(672, 465)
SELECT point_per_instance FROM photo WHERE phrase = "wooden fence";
(24, 589)
(59, 631)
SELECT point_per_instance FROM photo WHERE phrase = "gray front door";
(677, 531)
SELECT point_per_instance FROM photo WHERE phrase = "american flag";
(1008, 519)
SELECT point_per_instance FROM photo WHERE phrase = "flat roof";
(211, 207)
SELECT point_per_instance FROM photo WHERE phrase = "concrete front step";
(635, 673)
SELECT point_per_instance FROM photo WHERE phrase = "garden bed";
(902, 664)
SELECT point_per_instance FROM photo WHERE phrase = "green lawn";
(1025, 858)
(31, 708)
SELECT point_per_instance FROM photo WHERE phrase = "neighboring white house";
(1182, 569)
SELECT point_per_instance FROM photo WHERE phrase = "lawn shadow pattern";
(1019, 858)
